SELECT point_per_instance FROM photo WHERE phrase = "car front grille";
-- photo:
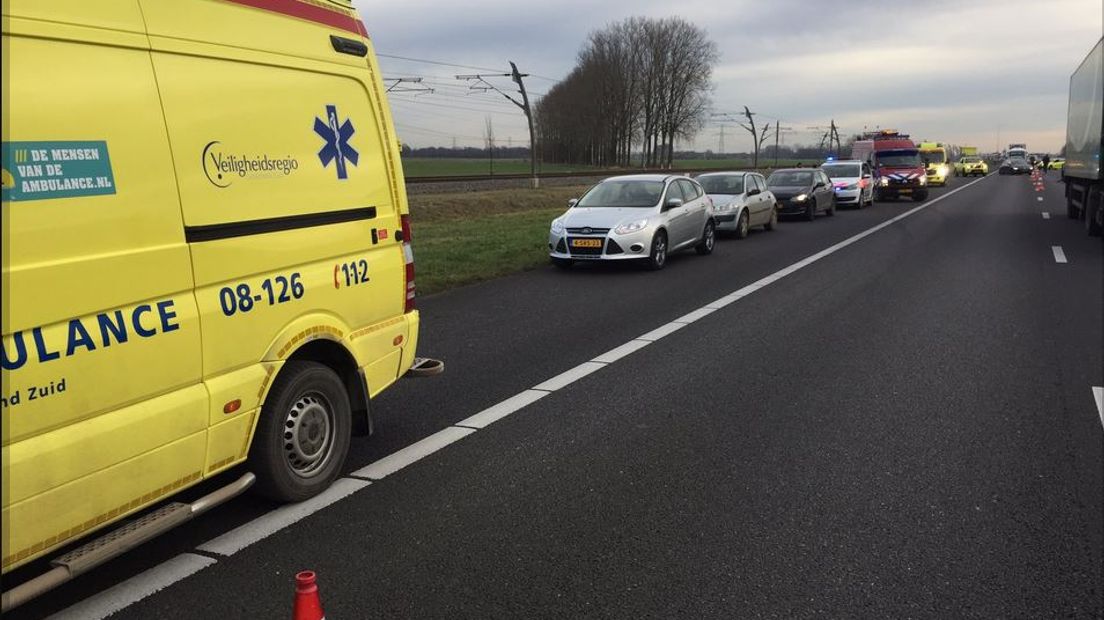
(588, 231)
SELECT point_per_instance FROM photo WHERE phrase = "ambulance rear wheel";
(303, 434)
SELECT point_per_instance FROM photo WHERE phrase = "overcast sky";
(985, 73)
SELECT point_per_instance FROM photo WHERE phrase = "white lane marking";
(495, 413)
(271, 522)
(1059, 254)
(1098, 394)
(413, 453)
(1040, 198)
(662, 331)
(136, 588)
(565, 379)
(168, 573)
(690, 317)
(1046, 215)
(617, 353)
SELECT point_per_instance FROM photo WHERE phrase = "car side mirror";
(571, 203)
(673, 203)
(868, 176)
(754, 192)
(819, 184)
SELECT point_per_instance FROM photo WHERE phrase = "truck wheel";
(1094, 215)
(303, 434)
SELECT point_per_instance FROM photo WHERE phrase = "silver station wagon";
(640, 217)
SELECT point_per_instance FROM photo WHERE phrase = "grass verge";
(462, 238)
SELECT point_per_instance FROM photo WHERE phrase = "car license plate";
(906, 191)
(586, 243)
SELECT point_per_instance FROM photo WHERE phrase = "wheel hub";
(308, 435)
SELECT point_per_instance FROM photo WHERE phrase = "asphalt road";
(903, 428)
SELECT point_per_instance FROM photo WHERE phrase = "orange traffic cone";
(307, 604)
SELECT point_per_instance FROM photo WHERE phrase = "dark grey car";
(803, 191)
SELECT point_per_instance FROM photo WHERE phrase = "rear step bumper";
(121, 540)
(425, 367)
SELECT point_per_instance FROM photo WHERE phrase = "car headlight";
(943, 170)
(631, 227)
(557, 227)
(923, 180)
(852, 186)
(884, 181)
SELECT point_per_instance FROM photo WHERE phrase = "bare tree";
(637, 82)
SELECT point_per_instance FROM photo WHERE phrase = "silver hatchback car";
(635, 217)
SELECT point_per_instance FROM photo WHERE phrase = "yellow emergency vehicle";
(207, 257)
(934, 156)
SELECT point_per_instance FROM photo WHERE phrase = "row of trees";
(639, 85)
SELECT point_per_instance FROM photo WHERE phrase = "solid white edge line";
(494, 413)
(271, 522)
(617, 353)
(136, 588)
(661, 331)
(565, 379)
(163, 575)
(690, 317)
(412, 453)
(1059, 254)
(1098, 395)
(1046, 215)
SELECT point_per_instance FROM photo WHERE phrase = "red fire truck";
(895, 161)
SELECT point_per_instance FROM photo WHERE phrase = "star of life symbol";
(337, 147)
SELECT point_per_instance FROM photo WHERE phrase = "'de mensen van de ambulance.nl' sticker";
(41, 170)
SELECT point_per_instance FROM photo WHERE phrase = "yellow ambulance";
(207, 256)
(934, 155)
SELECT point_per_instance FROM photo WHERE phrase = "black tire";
(1094, 215)
(563, 263)
(1072, 212)
(302, 438)
(920, 196)
(742, 226)
(773, 221)
(709, 239)
(831, 210)
(657, 256)
(810, 211)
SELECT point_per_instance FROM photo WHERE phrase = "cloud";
(942, 69)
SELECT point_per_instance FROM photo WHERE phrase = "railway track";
(565, 175)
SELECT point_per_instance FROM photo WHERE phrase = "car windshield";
(934, 157)
(722, 183)
(971, 160)
(786, 178)
(1017, 161)
(623, 194)
(898, 158)
(842, 171)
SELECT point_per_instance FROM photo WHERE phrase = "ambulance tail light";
(408, 257)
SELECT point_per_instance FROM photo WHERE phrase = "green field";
(465, 237)
(437, 167)
(433, 167)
